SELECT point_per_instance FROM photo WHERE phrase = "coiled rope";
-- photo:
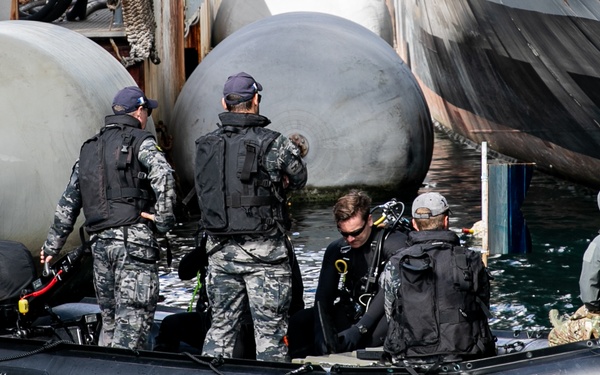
(138, 17)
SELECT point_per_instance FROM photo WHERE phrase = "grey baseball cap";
(434, 202)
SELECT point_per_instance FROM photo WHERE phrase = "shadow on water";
(563, 218)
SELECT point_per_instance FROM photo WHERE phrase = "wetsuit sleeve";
(375, 311)
(325, 296)
(162, 181)
(65, 216)
(284, 158)
(589, 279)
(329, 277)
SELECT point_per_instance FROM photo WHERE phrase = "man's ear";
(223, 103)
(414, 223)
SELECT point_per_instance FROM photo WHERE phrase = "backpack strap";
(463, 276)
(249, 163)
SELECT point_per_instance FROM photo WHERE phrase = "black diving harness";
(390, 220)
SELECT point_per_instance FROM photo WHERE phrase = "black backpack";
(17, 272)
(442, 305)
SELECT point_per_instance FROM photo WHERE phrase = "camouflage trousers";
(127, 292)
(264, 289)
(582, 325)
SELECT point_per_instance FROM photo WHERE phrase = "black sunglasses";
(143, 102)
(355, 233)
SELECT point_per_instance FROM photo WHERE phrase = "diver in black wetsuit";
(348, 313)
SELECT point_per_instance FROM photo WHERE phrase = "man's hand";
(300, 142)
(349, 338)
(43, 259)
(161, 225)
(148, 216)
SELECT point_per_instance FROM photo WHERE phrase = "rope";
(138, 17)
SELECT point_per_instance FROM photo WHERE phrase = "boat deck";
(99, 24)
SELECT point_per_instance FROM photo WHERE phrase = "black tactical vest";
(114, 185)
(442, 304)
(235, 192)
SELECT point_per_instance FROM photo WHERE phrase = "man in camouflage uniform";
(244, 213)
(436, 292)
(584, 324)
(125, 187)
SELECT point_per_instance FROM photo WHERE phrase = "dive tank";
(57, 87)
(333, 84)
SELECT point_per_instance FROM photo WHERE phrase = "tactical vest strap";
(125, 152)
(462, 275)
(237, 201)
(124, 159)
(128, 193)
(249, 163)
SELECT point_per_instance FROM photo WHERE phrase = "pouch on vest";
(418, 281)
(210, 156)
(92, 175)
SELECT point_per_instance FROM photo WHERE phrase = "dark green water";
(562, 219)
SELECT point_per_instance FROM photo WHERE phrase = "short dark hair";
(356, 202)
(239, 107)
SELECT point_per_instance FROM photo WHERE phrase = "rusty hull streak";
(538, 148)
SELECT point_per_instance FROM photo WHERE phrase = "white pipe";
(484, 201)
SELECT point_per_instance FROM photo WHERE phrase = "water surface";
(562, 218)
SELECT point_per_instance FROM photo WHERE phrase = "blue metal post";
(507, 231)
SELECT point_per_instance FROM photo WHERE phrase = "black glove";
(320, 346)
(349, 338)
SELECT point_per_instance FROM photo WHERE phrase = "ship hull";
(520, 75)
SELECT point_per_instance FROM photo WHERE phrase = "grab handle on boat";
(46, 271)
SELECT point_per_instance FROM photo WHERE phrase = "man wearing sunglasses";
(125, 187)
(346, 315)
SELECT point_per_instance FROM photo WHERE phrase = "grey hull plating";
(335, 83)
(522, 75)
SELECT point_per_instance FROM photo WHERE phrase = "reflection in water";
(562, 218)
